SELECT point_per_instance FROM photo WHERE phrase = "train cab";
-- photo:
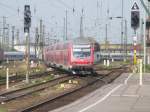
(82, 57)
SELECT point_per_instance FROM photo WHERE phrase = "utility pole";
(7, 37)
(126, 40)
(81, 27)
(122, 43)
(106, 39)
(97, 11)
(43, 41)
(98, 19)
(41, 38)
(17, 37)
(64, 30)
(36, 41)
(4, 34)
(66, 25)
(13, 37)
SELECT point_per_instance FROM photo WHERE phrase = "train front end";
(82, 59)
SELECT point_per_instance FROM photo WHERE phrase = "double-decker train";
(76, 56)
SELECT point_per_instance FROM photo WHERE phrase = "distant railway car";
(76, 56)
(117, 56)
(16, 56)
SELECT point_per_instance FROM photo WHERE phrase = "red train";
(76, 56)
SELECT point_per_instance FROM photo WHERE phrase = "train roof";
(16, 53)
(13, 53)
(77, 41)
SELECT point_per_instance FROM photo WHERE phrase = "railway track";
(113, 68)
(9, 96)
(70, 96)
(18, 78)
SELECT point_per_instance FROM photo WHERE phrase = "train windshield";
(81, 52)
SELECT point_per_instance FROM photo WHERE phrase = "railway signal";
(135, 21)
(27, 25)
(27, 18)
(135, 16)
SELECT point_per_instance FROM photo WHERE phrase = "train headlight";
(70, 67)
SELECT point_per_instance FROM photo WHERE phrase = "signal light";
(27, 18)
(135, 19)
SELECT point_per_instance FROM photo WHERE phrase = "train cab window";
(81, 52)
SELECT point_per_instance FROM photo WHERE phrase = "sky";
(52, 12)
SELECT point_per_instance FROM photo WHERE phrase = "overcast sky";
(53, 12)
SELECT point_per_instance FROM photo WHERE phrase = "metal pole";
(36, 41)
(64, 29)
(17, 36)
(135, 45)
(7, 37)
(81, 27)
(106, 42)
(141, 72)
(66, 25)
(142, 36)
(4, 34)
(41, 39)
(122, 28)
(126, 40)
(144, 43)
(13, 37)
(7, 78)
(28, 57)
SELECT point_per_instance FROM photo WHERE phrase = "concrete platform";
(123, 95)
